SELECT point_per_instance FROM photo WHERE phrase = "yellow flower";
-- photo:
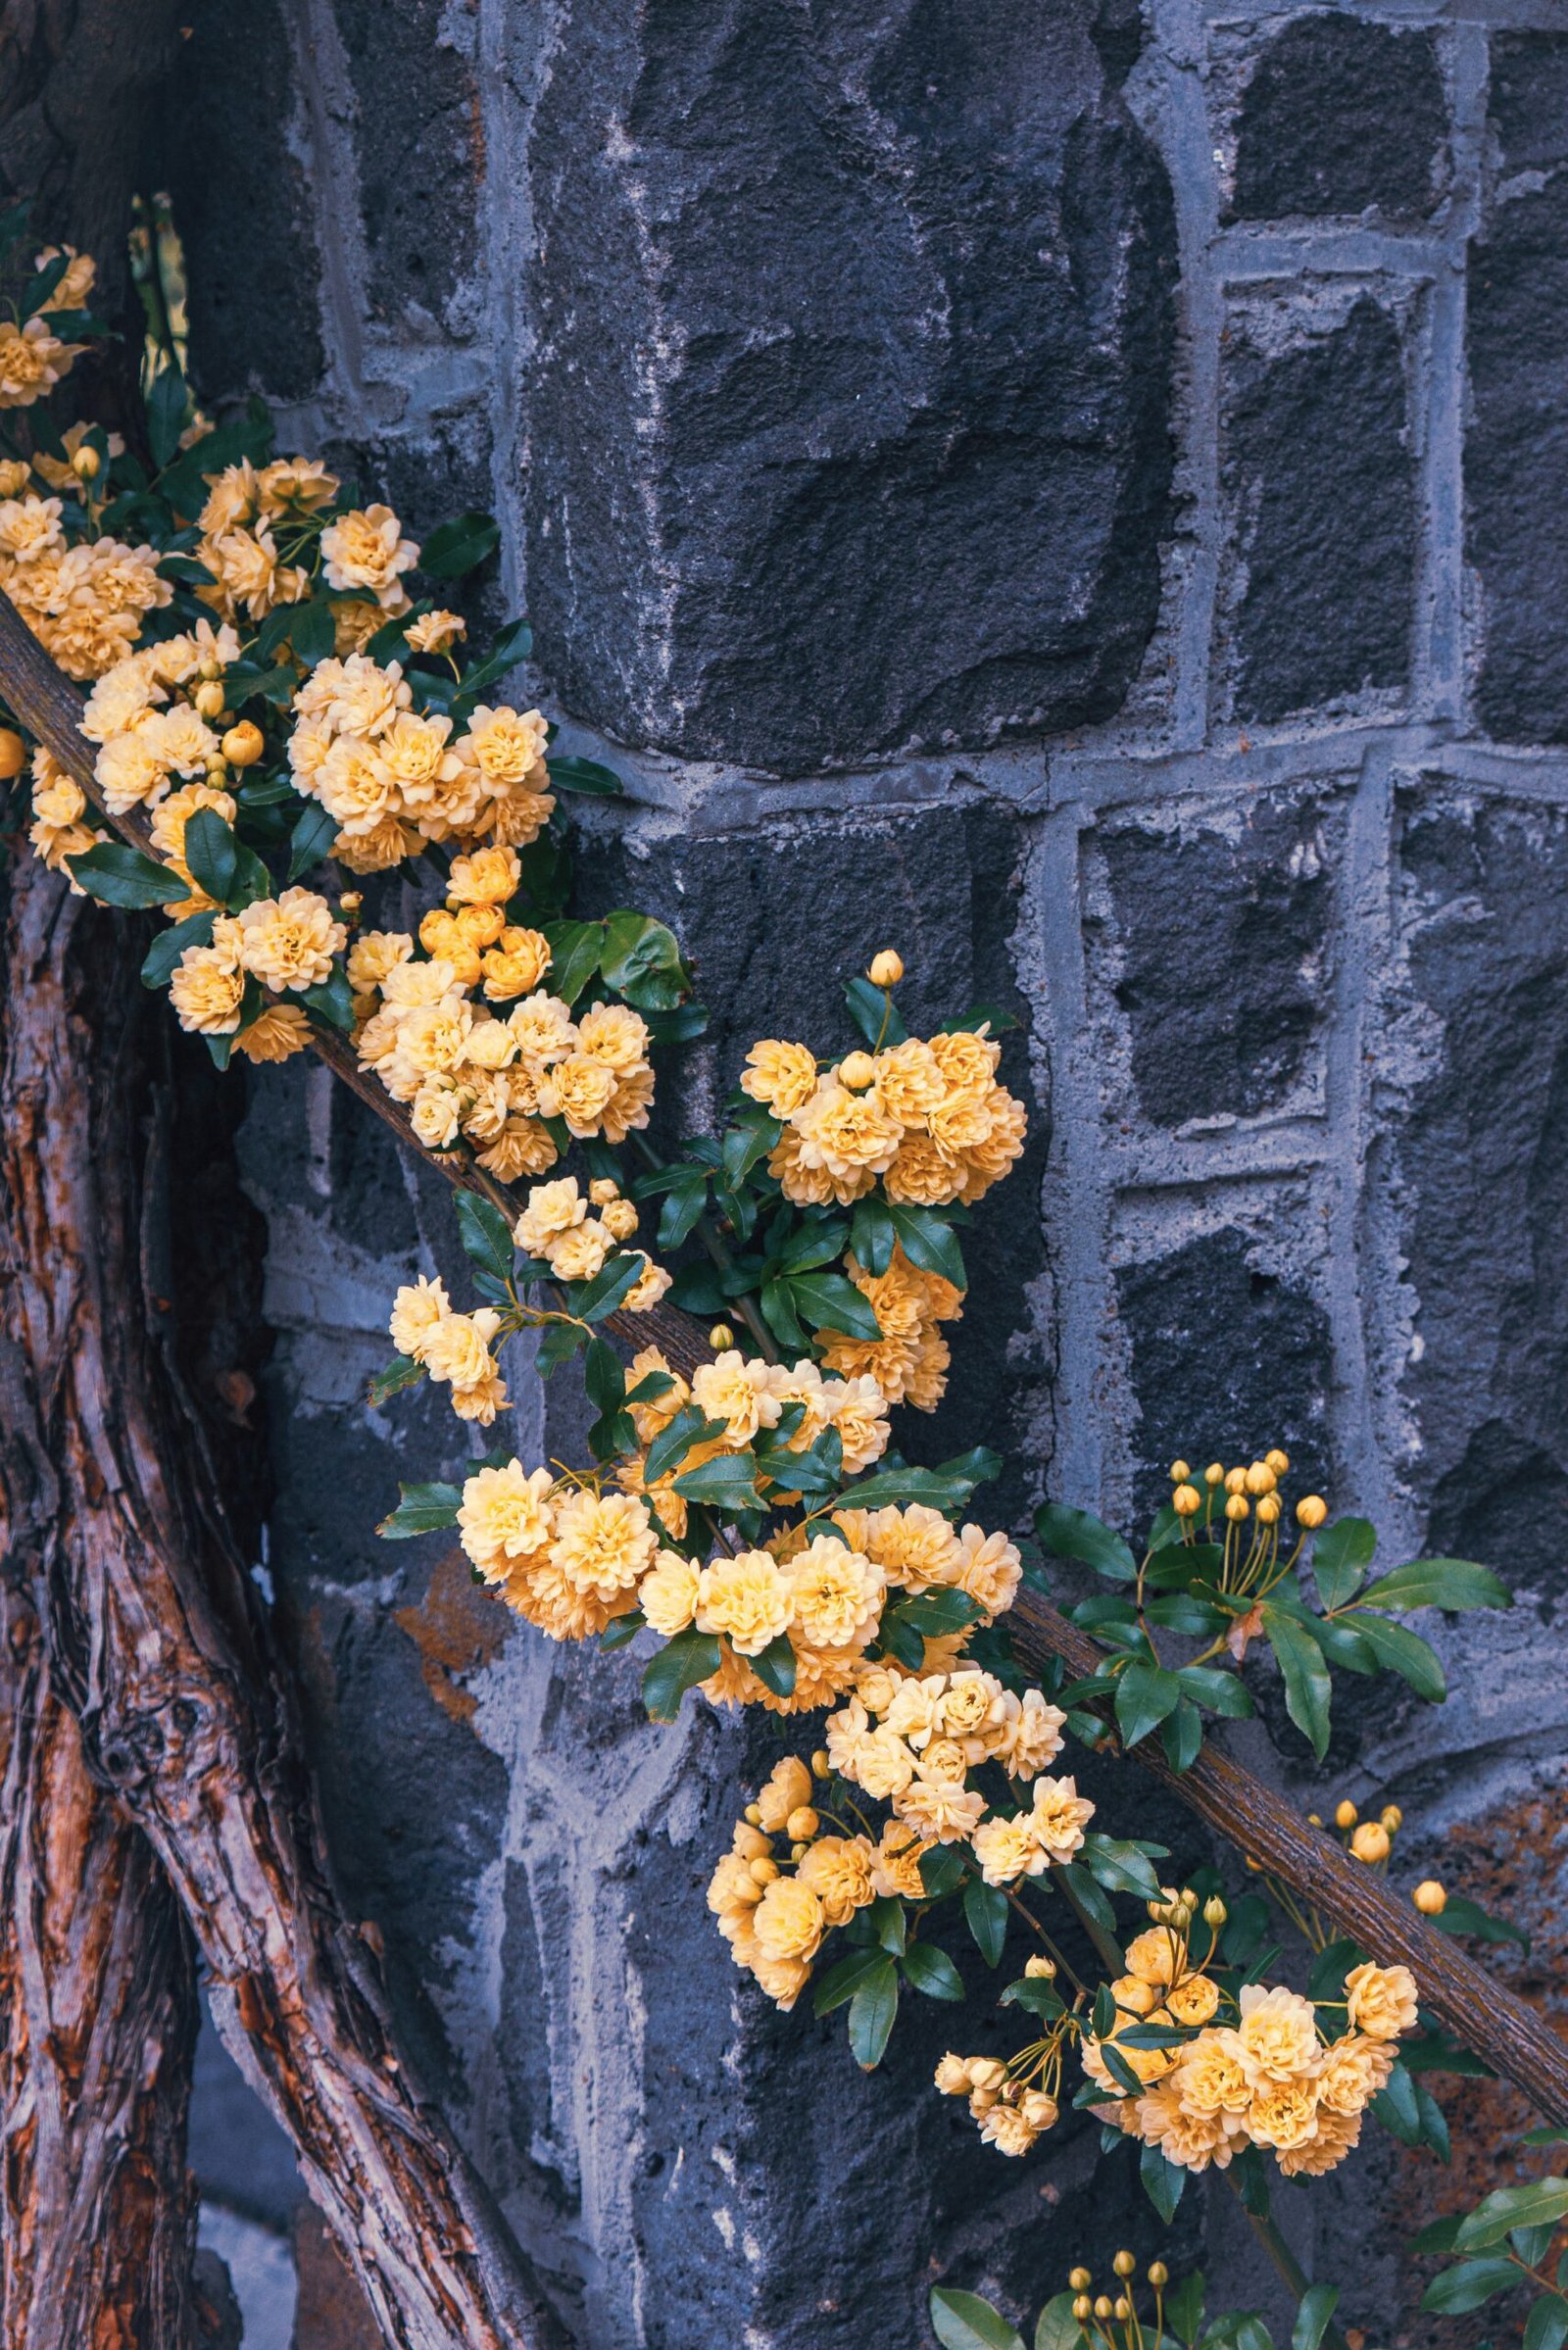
(909, 1083)
(1283, 2114)
(989, 1568)
(523, 1148)
(1008, 1849)
(1352, 2072)
(276, 1034)
(1190, 2140)
(838, 1592)
(205, 991)
(302, 482)
(30, 527)
(515, 963)
(1211, 2077)
(1030, 1736)
(506, 1515)
(1278, 2032)
(435, 632)
(915, 1547)
(781, 1076)
(788, 1786)
(845, 1134)
(290, 942)
(789, 1920)
(1382, 2002)
(504, 747)
(859, 1410)
(941, 1808)
(578, 1255)
(1193, 2000)
(1326, 2147)
(487, 877)
(668, 1593)
(838, 1871)
(613, 1034)
(1060, 1816)
(367, 549)
(604, 1543)
(416, 1311)
(577, 1089)
(747, 1599)
(738, 1393)
(32, 360)
(456, 1348)
(1153, 1955)
(896, 1869)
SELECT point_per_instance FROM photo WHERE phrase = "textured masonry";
(1085, 499)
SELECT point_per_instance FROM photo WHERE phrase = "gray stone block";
(850, 417)
(1319, 477)
(1223, 935)
(1516, 440)
(1340, 116)
(420, 150)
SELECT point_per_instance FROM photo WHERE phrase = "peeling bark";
(157, 1644)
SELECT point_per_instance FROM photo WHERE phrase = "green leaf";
(459, 545)
(1082, 1886)
(1437, 2236)
(842, 1980)
(167, 405)
(1076, 1534)
(1405, 1652)
(1468, 2286)
(726, 1481)
(932, 1971)
(903, 1486)
(1449, 1583)
(828, 1301)
(1308, 1687)
(1056, 2329)
(1162, 2182)
(423, 1509)
(935, 1613)
(985, 1910)
(311, 838)
(1119, 1866)
(1537, 2203)
(313, 630)
(673, 1444)
(872, 1235)
(592, 1301)
(1341, 1556)
(776, 1666)
(603, 1375)
(685, 1198)
(584, 775)
(873, 2010)
(483, 1230)
(942, 1869)
(930, 1242)
(1317, 2307)
(514, 644)
(963, 2322)
(1144, 1695)
(1460, 1916)
(778, 1312)
(400, 1372)
(1224, 1694)
(163, 956)
(691, 1656)
(332, 1001)
(874, 1014)
(1035, 1996)
(118, 875)
(642, 961)
(574, 951)
(1397, 2108)
(1547, 2327)
(1184, 2304)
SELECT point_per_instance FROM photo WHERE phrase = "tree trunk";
(156, 1646)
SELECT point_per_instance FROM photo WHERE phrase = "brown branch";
(1502, 2027)
(159, 1649)
(1490, 2019)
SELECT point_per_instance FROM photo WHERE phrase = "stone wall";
(1084, 498)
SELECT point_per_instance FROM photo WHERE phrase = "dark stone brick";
(1483, 1159)
(851, 409)
(1341, 116)
(779, 919)
(1227, 1360)
(1516, 445)
(1319, 475)
(418, 143)
(248, 230)
(1223, 948)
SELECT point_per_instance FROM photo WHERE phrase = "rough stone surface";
(852, 422)
(1320, 480)
(1517, 452)
(420, 150)
(1222, 935)
(1340, 115)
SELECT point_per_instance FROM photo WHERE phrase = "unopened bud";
(1103, 2305)
(209, 666)
(798, 1851)
(1278, 1462)
(1260, 1478)
(603, 1190)
(856, 1070)
(209, 699)
(350, 902)
(801, 1825)
(1214, 1473)
(1079, 2279)
(762, 1870)
(753, 1814)
(822, 1768)
(1311, 1511)
(1346, 1814)
(751, 1844)
(1042, 1968)
(1393, 1818)
(1179, 1472)
(1268, 1510)
(1083, 2309)
(1124, 2264)
(721, 1338)
(1236, 1481)
(1187, 1501)
(1158, 2275)
(1430, 1898)
(1236, 1508)
(886, 969)
(86, 465)
(13, 753)
(1370, 1842)
(243, 744)
(1122, 2309)
(1215, 1912)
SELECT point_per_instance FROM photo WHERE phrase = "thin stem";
(1290, 2271)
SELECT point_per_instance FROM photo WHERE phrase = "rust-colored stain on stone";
(458, 1628)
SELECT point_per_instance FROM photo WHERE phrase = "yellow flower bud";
(1103, 2305)
(1314, 1818)
(1123, 2308)
(1079, 2279)
(1179, 1472)
(1311, 1511)
(1124, 2264)
(857, 1070)
(1370, 1841)
(1430, 1898)
(1041, 1965)
(13, 753)
(1236, 1481)
(1083, 2308)
(209, 698)
(1268, 1510)
(1158, 2275)
(799, 1850)
(1278, 1462)
(721, 1338)
(603, 1190)
(753, 1814)
(801, 1825)
(1260, 1478)
(1215, 1912)
(886, 969)
(209, 666)
(86, 465)
(751, 1844)
(1214, 1473)
(762, 1871)
(1236, 1508)
(1187, 1501)
(822, 1768)
(243, 744)
(350, 902)
(1346, 1814)
(1393, 1818)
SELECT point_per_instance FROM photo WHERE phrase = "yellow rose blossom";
(1278, 2032)
(506, 1515)
(578, 1255)
(275, 1034)
(553, 1208)
(456, 1349)
(435, 632)
(1060, 1815)
(613, 1034)
(367, 549)
(737, 1393)
(504, 746)
(747, 1599)
(515, 964)
(838, 1592)
(1382, 2002)
(415, 1310)
(577, 1089)
(290, 942)
(781, 1076)
(604, 1543)
(838, 1871)
(668, 1593)
(486, 877)
(205, 991)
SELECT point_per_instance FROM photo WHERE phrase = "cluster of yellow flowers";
(565, 1555)
(393, 779)
(286, 943)
(255, 520)
(557, 1228)
(911, 1740)
(910, 1358)
(464, 1071)
(152, 717)
(1271, 2079)
(926, 1117)
(32, 357)
(1017, 2102)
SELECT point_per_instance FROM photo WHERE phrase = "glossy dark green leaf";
(459, 545)
(872, 1233)
(1404, 1653)
(726, 1481)
(1144, 1695)
(1077, 1534)
(1162, 2182)
(1224, 1694)
(167, 405)
(592, 1301)
(829, 1301)
(671, 1446)
(1341, 1556)
(584, 775)
(1460, 1916)
(775, 1667)
(163, 956)
(929, 1243)
(642, 961)
(1468, 2286)
(842, 1980)
(1449, 1583)
(423, 1509)
(400, 1372)
(1537, 2203)
(483, 1230)
(312, 631)
(312, 839)
(1308, 1687)
(574, 951)
(119, 875)
(872, 2011)
(331, 1000)
(691, 1656)
(874, 1014)
(963, 2322)
(985, 1910)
